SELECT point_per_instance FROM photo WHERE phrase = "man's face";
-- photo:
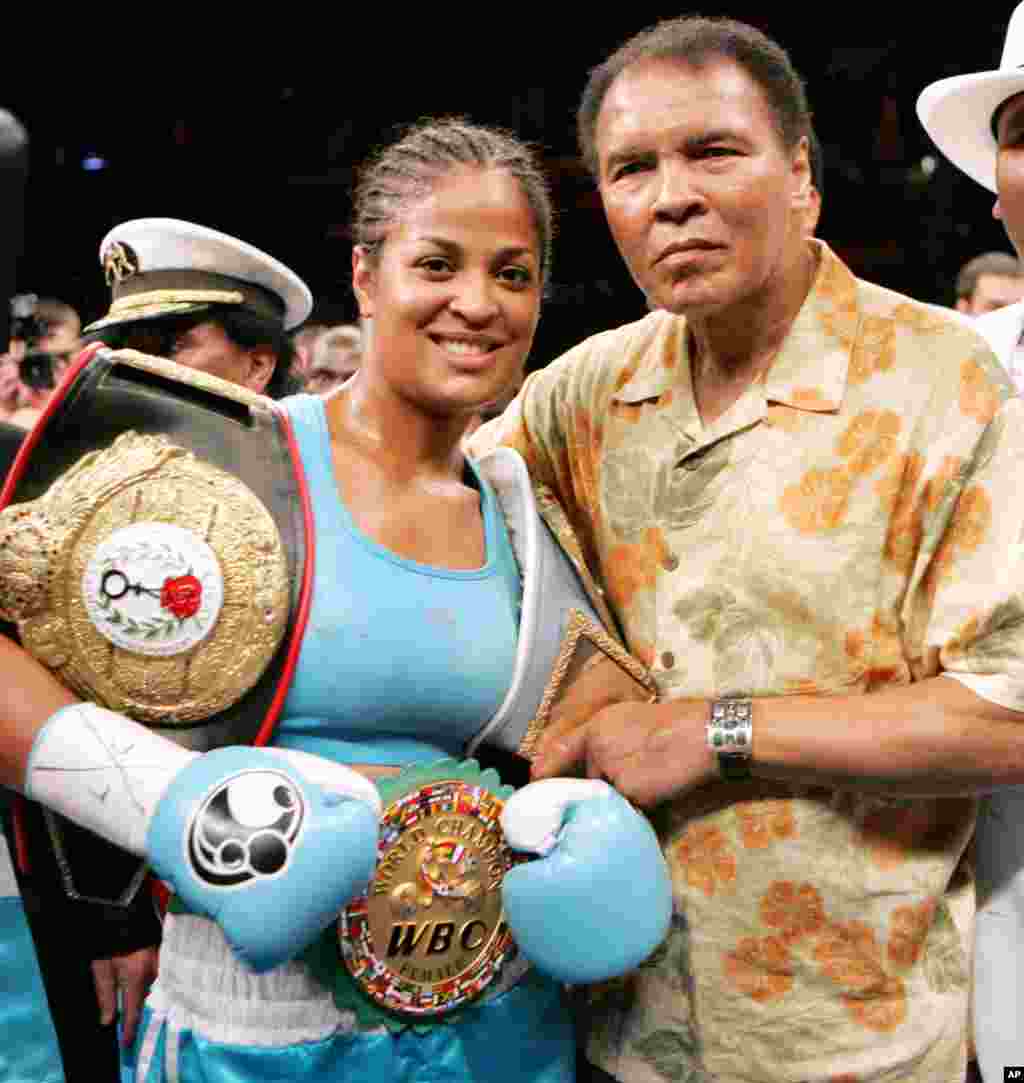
(994, 291)
(705, 203)
(1010, 171)
(60, 339)
(332, 370)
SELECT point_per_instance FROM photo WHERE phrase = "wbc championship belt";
(155, 555)
(428, 937)
(152, 546)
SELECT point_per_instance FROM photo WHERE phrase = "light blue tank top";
(401, 662)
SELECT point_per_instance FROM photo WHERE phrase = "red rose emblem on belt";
(182, 596)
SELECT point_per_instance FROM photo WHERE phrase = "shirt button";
(670, 562)
(668, 660)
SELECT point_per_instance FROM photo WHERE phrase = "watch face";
(729, 736)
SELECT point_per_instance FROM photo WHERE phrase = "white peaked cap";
(163, 266)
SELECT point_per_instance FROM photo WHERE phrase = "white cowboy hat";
(957, 112)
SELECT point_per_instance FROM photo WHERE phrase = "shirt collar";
(811, 368)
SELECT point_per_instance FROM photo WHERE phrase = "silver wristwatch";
(730, 733)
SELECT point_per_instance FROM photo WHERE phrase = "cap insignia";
(119, 262)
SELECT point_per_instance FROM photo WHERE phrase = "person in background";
(976, 120)
(61, 330)
(799, 493)
(989, 282)
(44, 338)
(335, 356)
(303, 340)
(166, 300)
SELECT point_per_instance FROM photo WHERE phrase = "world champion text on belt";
(429, 935)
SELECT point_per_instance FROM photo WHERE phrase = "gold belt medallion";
(429, 935)
(149, 580)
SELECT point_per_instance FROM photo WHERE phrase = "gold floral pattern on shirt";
(837, 305)
(633, 568)
(964, 534)
(908, 930)
(819, 501)
(761, 967)
(795, 910)
(875, 350)
(765, 822)
(899, 492)
(979, 397)
(848, 953)
(876, 652)
(882, 1008)
(938, 487)
(897, 488)
(870, 440)
(707, 860)
(920, 317)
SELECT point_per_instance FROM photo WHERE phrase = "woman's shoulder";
(307, 423)
(302, 407)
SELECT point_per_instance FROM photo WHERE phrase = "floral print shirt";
(848, 524)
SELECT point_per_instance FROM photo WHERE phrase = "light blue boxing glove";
(599, 899)
(256, 840)
(270, 843)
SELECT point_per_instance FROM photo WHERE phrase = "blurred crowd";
(46, 334)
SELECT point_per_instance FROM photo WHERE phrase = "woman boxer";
(409, 650)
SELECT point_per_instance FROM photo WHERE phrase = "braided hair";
(407, 170)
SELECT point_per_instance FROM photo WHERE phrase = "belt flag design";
(429, 936)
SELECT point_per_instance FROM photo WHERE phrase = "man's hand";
(133, 974)
(648, 752)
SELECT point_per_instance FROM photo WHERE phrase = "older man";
(793, 487)
(976, 120)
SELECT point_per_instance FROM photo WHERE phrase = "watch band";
(730, 734)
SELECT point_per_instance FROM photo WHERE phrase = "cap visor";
(94, 332)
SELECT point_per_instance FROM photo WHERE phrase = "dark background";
(271, 159)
